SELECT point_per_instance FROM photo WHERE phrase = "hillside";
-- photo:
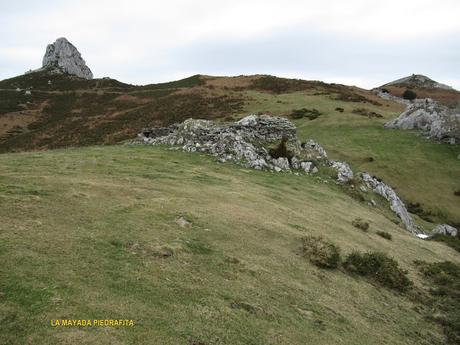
(72, 111)
(424, 87)
(94, 233)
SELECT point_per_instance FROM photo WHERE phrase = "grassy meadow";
(92, 233)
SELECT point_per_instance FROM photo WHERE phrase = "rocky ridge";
(62, 57)
(246, 142)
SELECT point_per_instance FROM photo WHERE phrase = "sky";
(357, 42)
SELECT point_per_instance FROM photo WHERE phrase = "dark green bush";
(379, 268)
(360, 224)
(311, 114)
(385, 235)
(409, 94)
(321, 252)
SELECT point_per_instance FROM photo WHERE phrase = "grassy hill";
(92, 233)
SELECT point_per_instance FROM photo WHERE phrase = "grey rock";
(344, 172)
(396, 204)
(307, 166)
(229, 142)
(444, 229)
(313, 150)
(62, 57)
(433, 119)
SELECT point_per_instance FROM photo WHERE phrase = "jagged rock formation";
(418, 80)
(62, 57)
(396, 204)
(444, 229)
(435, 120)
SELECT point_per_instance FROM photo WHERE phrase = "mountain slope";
(92, 233)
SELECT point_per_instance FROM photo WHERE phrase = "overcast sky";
(361, 42)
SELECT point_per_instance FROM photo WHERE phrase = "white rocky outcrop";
(344, 172)
(240, 142)
(435, 120)
(62, 57)
(396, 204)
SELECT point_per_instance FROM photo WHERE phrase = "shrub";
(385, 90)
(341, 110)
(409, 94)
(360, 224)
(385, 235)
(321, 252)
(311, 114)
(380, 268)
(457, 192)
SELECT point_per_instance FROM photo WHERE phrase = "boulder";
(344, 172)
(444, 229)
(433, 119)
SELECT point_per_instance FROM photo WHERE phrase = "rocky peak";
(418, 80)
(63, 57)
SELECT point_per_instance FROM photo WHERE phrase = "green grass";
(90, 233)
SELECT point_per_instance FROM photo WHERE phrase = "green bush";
(360, 224)
(321, 252)
(385, 235)
(311, 114)
(409, 94)
(379, 268)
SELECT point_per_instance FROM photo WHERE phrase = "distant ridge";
(418, 80)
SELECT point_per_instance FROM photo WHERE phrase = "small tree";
(409, 95)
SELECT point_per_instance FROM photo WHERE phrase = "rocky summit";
(63, 57)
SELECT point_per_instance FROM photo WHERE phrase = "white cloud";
(119, 38)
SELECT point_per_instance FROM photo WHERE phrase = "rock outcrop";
(62, 57)
(435, 120)
(396, 204)
(344, 172)
(241, 142)
(444, 229)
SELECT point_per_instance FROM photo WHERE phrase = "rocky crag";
(62, 57)
(247, 142)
